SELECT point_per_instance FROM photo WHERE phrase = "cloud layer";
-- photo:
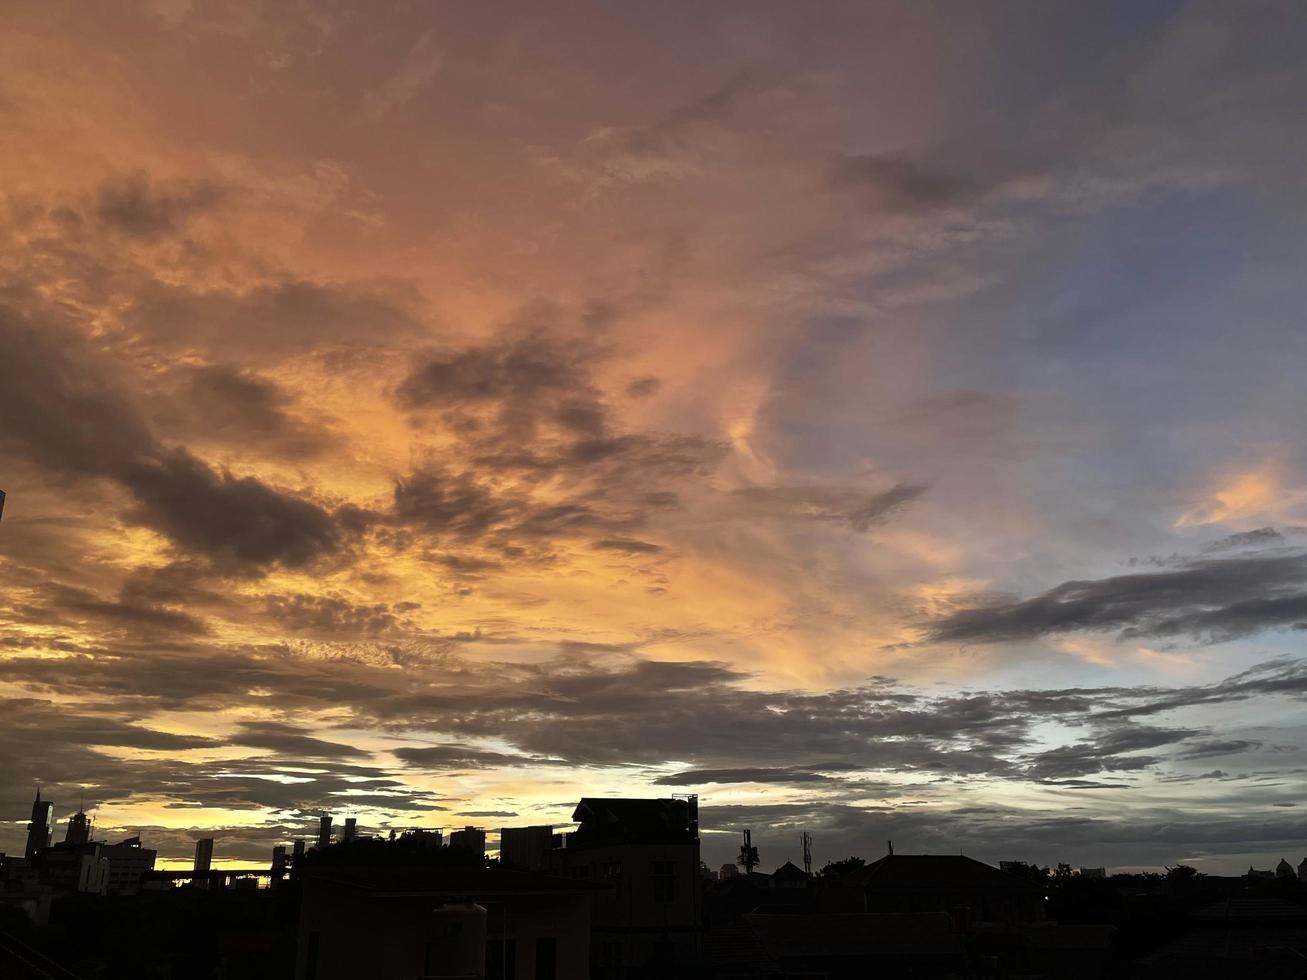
(881, 423)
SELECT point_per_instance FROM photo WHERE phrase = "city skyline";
(885, 424)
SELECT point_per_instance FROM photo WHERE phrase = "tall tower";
(79, 828)
(203, 855)
(38, 831)
(324, 832)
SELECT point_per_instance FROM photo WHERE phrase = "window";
(546, 958)
(664, 881)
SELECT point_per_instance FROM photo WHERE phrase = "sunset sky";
(884, 420)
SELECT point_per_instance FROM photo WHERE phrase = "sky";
(883, 420)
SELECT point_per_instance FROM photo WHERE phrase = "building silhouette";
(949, 883)
(203, 855)
(351, 830)
(80, 867)
(525, 847)
(79, 829)
(647, 852)
(128, 863)
(404, 922)
(470, 839)
(324, 831)
(38, 830)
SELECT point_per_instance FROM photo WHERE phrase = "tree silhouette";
(834, 869)
(748, 858)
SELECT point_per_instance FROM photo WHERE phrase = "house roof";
(445, 882)
(854, 934)
(735, 945)
(789, 871)
(1252, 908)
(938, 872)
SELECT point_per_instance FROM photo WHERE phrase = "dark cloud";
(288, 740)
(65, 603)
(219, 402)
(542, 458)
(282, 317)
(697, 777)
(1113, 751)
(528, 380)
(451, 756)
(1215, 747)
(454, 504)
(854, 509)
(627, 546)
(1260, 537)
(137, 206)
(1208, 599)
(63, 414)
(238, 521)
(643, 387)
(890, 183)
(332, 616)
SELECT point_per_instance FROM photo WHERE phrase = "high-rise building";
(279, 858)
(128, 862)
(38, 831)
(297, 853)
(469, 838)
(324, 831)
(203, 855)
(351, 830)
(525, 847)
(79, 829)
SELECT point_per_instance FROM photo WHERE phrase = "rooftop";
(854, 934)
(618, 819)
(445, 882)
(931, 872)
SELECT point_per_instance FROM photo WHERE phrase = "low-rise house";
(401, 923)
(960, 886)
(837, 946)
(649, 924)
